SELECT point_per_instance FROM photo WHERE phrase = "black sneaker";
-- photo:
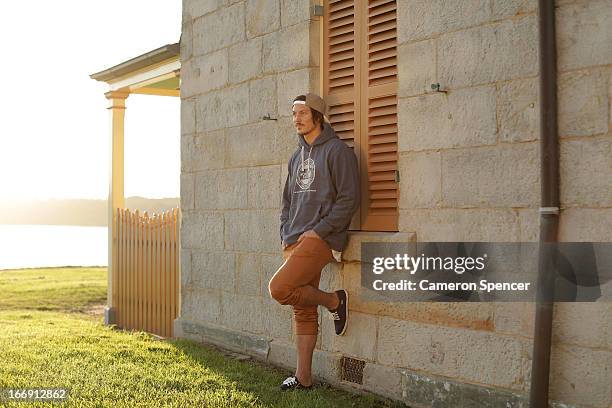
(292, 383)
(340, 314)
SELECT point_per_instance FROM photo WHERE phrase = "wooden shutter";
(340, 75)
(364, 112)
(378, 60)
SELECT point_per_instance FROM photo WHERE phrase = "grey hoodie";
(321, 191)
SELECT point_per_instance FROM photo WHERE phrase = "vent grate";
(352, 370)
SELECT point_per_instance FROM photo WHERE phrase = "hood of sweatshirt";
(326, 135)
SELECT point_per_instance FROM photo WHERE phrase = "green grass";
(52, 348)
(70, 289)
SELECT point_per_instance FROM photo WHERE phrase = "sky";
(55, 126)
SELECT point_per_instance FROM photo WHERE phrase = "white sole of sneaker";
(347, 313)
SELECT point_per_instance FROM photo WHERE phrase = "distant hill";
(75, 212)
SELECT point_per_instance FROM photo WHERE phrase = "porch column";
(116, 198)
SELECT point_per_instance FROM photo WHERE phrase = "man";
(321, 195)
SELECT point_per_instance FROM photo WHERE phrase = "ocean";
(30, 246)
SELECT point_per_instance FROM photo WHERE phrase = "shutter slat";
(383, 63)
(383, 80)
(386, 138)
(340, 89)
(340, 82)
(346, 135)
(342, 126)
(342, 64)
(341, 30)
(383, 120)
(382, 18)
(338, 109)
(379, 132)
(343, 117)
(382, 157)
(349, 20)
(376, 3)
(382, 26)
(383, 185)
(378, 167)
(382, 194)
(383, 148)
(383, 176)
(383, 54)
(340, 5)
(341, 47)
(384, 45)
(382, 108)
(341, 14)
(341, 73)
(382, 9)
(348, 55)
(382, 36)
(385, 72)
(390, 204)
(389, 100)
(341, 38)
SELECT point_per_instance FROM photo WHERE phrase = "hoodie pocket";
(305, 215)
(314, 214)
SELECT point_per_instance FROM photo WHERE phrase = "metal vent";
(352, 370)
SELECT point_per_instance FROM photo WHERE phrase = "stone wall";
(469, 161)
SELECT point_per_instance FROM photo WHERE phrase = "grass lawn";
(47, 340)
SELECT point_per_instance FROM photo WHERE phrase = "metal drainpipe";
(549, 209)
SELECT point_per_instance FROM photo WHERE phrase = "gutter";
(549, 206)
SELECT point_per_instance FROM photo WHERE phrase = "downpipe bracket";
(549, 210)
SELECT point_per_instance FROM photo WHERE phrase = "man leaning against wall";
(320, 196)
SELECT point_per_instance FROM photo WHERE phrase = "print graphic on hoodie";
(321, 190)
(306, 173)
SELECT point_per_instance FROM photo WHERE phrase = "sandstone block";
(262, 98)
(416, 65)
(481, 55)
(245, 60)
(491, 177)
(462, 118)
(263, 187)
(219, 29)
(420, 180)
(223, 108)
(422, 19)
(262, 17)
(213, 270)
(202, 230)
(221, 189)
(583, 36)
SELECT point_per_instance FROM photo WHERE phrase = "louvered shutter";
(359, 73)
(378, 62)
(340, 76)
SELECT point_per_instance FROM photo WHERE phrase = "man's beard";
(304, 133)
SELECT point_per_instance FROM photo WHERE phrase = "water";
(30, 246)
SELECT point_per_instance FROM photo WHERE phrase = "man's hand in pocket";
(309, 233)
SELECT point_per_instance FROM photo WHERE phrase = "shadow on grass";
(262, 380)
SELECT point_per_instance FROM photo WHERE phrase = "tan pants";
(297, 277)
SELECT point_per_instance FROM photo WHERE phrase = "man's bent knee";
(280, 293)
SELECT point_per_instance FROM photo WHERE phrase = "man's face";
(302, 119)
